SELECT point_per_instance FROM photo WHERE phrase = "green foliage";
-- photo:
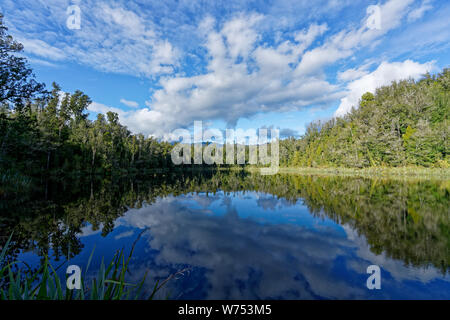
(405, 123)
(17, 83)
(61, 140)
(45, 283)
(49, 134)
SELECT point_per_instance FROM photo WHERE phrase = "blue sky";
(164, 64)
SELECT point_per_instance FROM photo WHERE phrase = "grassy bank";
(388, 172)
(407, 172)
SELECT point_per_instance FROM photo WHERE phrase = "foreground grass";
(45, 284)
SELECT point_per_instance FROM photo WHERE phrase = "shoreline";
(374, 172)
(341, 171)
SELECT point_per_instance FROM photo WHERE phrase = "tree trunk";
(48, 159)
(94, 151)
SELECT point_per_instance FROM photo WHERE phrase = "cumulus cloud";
(383, 75)
(230, 89)
(245, 76)
(209, 66)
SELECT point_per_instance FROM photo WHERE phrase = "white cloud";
(307, 37)
(42, 49)
(240, 35)
(129, 103)
(245, 76)
(352, 74)
(42, 62)
(125, 234)
(241, 62)
(113, 37)
(392, 13)
(383, 75)
(420, 11)
(101, 108)
(229, 90)
(346, 42)
(265, 79)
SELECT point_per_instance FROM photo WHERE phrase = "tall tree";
(17, 81)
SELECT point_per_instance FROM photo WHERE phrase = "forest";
(62, 170)
(48, 132)
(403, 124)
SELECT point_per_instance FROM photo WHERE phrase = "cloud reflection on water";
(246, 253)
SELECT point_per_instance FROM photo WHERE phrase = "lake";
(236, 235)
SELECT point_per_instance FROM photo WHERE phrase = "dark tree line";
(48, 132)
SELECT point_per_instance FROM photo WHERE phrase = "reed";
(45, 284)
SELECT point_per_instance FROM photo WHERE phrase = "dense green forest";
(49, 133)
(61, 170)
(44, 132)
(403, 124)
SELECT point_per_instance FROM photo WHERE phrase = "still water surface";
(245, 236)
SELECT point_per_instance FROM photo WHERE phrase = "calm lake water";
(246, 236)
